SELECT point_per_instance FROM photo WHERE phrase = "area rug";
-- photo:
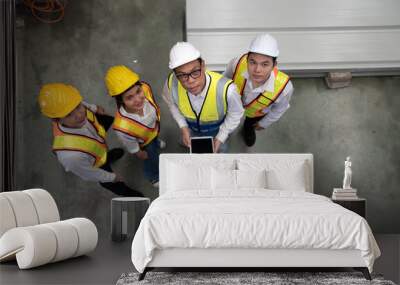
(244, 278)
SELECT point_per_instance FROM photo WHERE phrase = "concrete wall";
(361, 121)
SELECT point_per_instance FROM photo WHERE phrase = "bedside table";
(357, 205)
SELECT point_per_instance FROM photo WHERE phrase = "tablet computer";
(201, 145)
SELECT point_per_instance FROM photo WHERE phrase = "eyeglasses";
(185, 76)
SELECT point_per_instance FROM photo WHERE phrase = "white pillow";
(281, 174)
(251, 178)
(223, 179)
(292, 179)
(193, 173)
(188, 177)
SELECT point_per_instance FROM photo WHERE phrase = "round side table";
(126, 214)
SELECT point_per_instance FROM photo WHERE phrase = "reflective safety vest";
(263, 100)
(213, 110)
(64, 141)
(136, 129)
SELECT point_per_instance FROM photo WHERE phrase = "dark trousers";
(250, 122)
(118, 188)
(249, 133)
(150, 165)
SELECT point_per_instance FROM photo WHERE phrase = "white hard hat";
(181, 53)
(265, 44)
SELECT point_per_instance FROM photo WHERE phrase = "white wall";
(315, 36)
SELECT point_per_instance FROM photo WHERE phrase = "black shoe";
(136, 193)
(115, 154)
(249, 136)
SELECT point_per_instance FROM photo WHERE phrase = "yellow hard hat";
(119, 78)
(57, 100)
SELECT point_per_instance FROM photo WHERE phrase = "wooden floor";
(110, 260)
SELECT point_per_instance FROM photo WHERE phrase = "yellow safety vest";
(64, 141)
(214, 107)
(134, 128)
(263, 100)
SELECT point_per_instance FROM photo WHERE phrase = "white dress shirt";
(80, 163)
(149, 119)
(233, 115)
(275, 110)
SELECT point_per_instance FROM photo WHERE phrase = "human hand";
(217, 144)
(257, 127)
(185, 136)
(142, 154)
(100, 110)
(118, 178)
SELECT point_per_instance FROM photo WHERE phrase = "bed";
(246, 211)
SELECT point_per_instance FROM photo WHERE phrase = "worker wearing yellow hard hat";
(137, 119)
(203, 103)
(265, 90)
(79, 142)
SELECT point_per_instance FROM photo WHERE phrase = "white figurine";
(347, 174)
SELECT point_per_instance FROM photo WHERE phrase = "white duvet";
(253, 218)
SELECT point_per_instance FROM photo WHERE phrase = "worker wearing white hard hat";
(203, 103)
(265, 90)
